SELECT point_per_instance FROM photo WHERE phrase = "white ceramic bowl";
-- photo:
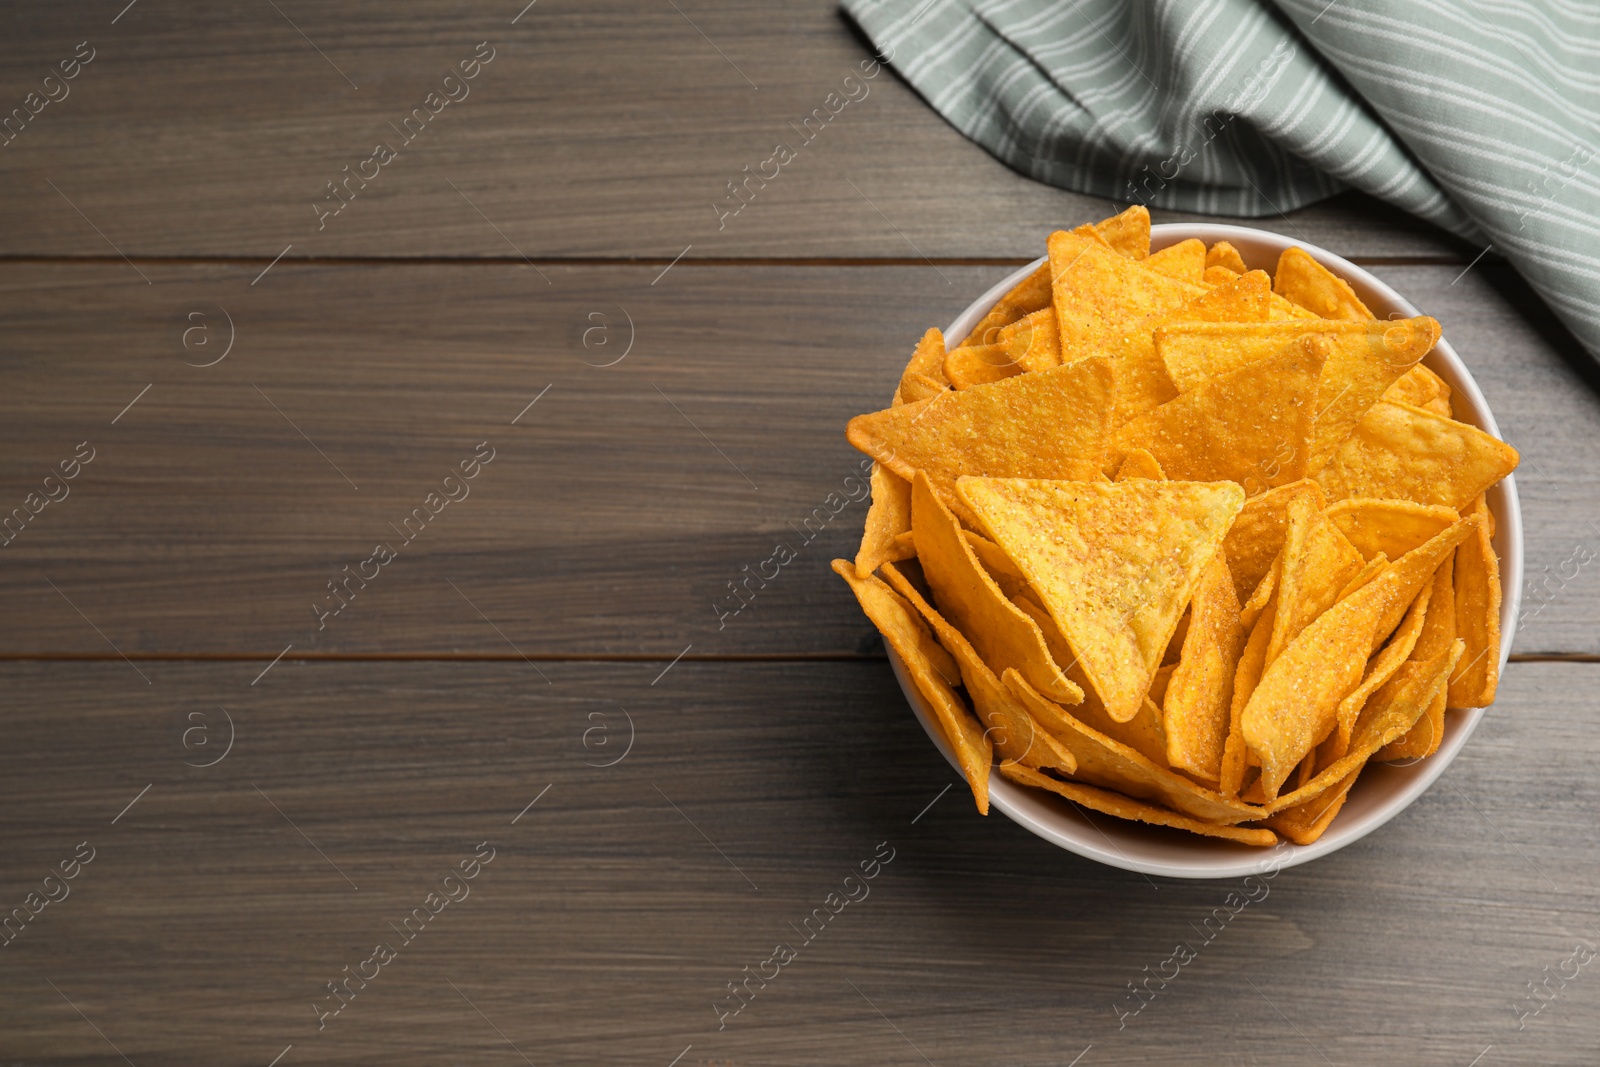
(1383, 790)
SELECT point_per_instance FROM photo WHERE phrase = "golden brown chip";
(1318, 562)
(1013, 732)
(1113, 765)
(888, 517)
(1389, 527)
(927, 361)
(1297, 701)
(1121, 807)
(1252, 426)
(1400, 452)
(1128, 233)
(1245, 680)
(932, 671)
(979, 365)
(1033, 342)
(1223, 254)
(1200, 691)
(1421, 388)
(1099, 295)
(1380, 668)
(1477, 596)
(1438, 634)
(915, 387)
(1257, 534)
(1047, 425)
(1026, 297)
(970, 598)
(1140, 464)
(1114, 563)
(1364, 360)
(1314, 287)
(1185, 261)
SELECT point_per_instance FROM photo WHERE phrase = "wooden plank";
(617, 509)
(598, 129)
(616, 909)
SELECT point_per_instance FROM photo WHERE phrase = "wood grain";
(609, 920)
(619, 506)
(599, 129)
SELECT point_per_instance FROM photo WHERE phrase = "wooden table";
(649, 393)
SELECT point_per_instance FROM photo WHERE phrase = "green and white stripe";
(1481, 116)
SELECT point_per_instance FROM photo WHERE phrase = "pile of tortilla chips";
(1182, 542)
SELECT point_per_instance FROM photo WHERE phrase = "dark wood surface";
(534, 626)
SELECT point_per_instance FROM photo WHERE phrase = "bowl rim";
(1069, 827)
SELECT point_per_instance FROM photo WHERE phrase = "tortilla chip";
(1003, 635)
(1013, 732)
(1099, 296)
(1380, 669)
(1306, 822)
(1185, 261)
(1128, 234)
(1390, 527)
(927, 360)
(1477, 603)
(979, 365)
(1252, 426)
(1121, 807)
(888, 517)
(1113, 765)
(1297, 701)
(1390, 713)
(1245, 680)
(1374, 567)
(1400, 452)
(1145, 733)
(1421, 388)
(1318, 562)
(1264, 597)
(1314, 287)
(1026, 297)
(1140, 464)
(1200, 692)
(1114, 563)
(915, 387)
(1047, 425)
(1257, 534)
(1364, 361)
(1222, 254)
(1438, 634)
(931, 670)
(1033, 342)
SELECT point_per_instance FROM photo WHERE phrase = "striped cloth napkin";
(1481, 116)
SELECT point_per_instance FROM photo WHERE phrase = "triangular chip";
(1364, 360)
(1223, 254)
(1251, 426)
(1113, 765)
(970, 599)
(888, 517)
(1026, 297)
(1140, 464)
(1315, 288)
(1477, 604)
(932, 671)
(1114, 563)
(1380, 668)
(1185, 261)
(1245, 680)
(1421, 388)
(973, 365)
(1296, 704)
(1401, 452)
(1047, 425)
(927, 360)
(1128, 234)
(1121, 807)
(1033, 342)
(1390, 527)
(1318, 562)
(1145, 733)
(1013, 732)
(1256, 536)
(1098, 295)
(1438, 634)
(915, 387)
(1200, 692)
